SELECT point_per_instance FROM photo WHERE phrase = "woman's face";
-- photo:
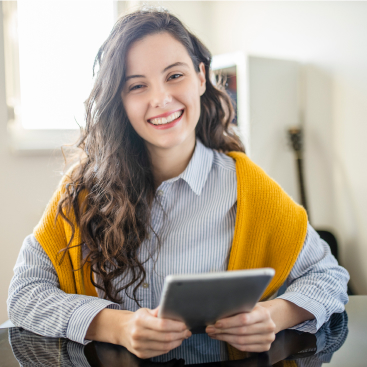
(162, 85)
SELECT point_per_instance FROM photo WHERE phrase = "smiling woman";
(163, 187)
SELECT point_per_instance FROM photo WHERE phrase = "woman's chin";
(171, 142)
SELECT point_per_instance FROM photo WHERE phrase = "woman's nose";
(160, 97)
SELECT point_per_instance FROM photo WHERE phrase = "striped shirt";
(194, 216)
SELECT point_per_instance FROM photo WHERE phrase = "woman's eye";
(136, 87)
(178, 75)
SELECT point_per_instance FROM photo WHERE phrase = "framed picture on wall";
(229, 76)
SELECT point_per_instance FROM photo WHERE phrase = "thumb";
(155, 312)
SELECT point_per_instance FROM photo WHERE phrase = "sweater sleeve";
(316, 282)
(36, 302)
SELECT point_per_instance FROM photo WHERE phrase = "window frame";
(23, 141)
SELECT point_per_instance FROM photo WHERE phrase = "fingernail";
(210, 329)
(218, 324)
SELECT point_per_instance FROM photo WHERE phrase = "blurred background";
(289, 65)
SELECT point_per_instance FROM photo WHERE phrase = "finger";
(259, 328)
(163, 325)
(166, 337)
(245, 339)
(154, 312)
(156, 347)
(248, 318)
(253, 347)
(145, 353)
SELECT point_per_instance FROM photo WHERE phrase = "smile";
(166, 120)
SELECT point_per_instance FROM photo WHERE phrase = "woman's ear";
(202, 80)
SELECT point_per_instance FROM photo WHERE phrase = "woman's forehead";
(155, 52)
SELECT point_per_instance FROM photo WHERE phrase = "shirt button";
(149, 236)
(145, 285)
(160, 193)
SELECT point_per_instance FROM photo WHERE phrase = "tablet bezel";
(264, 275)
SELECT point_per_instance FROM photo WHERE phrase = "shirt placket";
(157, 218)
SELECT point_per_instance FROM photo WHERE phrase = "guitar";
(296, 140)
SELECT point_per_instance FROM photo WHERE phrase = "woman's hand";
(251, 332)
(255, 331)
(141, 332)
(148, 336)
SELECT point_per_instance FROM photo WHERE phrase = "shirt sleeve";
(316, 282)
(36, 302)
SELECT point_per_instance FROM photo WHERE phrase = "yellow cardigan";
(270, 231)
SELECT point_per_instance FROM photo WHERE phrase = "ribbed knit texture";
(270, 227)
(54, 236)
(270, 231)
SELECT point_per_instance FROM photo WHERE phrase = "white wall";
(332, 36)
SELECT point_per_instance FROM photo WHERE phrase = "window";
(50, 48)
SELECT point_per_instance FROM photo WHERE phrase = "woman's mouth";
(167, 121)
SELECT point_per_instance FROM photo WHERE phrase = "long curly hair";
(115, 171)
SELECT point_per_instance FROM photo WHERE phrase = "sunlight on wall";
(58, 42)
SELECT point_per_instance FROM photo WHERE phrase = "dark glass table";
(342, 341)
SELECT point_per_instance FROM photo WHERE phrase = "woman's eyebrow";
(179, 63)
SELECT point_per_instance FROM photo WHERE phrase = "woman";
(155, 194)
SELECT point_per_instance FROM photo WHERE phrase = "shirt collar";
(197, 171)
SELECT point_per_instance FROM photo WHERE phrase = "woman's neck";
(170, 162)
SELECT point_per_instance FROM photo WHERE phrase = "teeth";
(166, 120)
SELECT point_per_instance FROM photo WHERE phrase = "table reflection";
(290, 348)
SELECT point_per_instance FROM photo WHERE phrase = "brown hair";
(114, 219)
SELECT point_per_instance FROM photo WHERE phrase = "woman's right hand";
(141, 332)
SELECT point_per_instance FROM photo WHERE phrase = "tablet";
(202, 299)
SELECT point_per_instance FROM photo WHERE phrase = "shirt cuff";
(83, 316)
(310, 305)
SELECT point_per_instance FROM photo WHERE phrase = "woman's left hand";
(251, 332)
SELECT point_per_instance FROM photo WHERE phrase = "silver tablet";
(202, 299)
